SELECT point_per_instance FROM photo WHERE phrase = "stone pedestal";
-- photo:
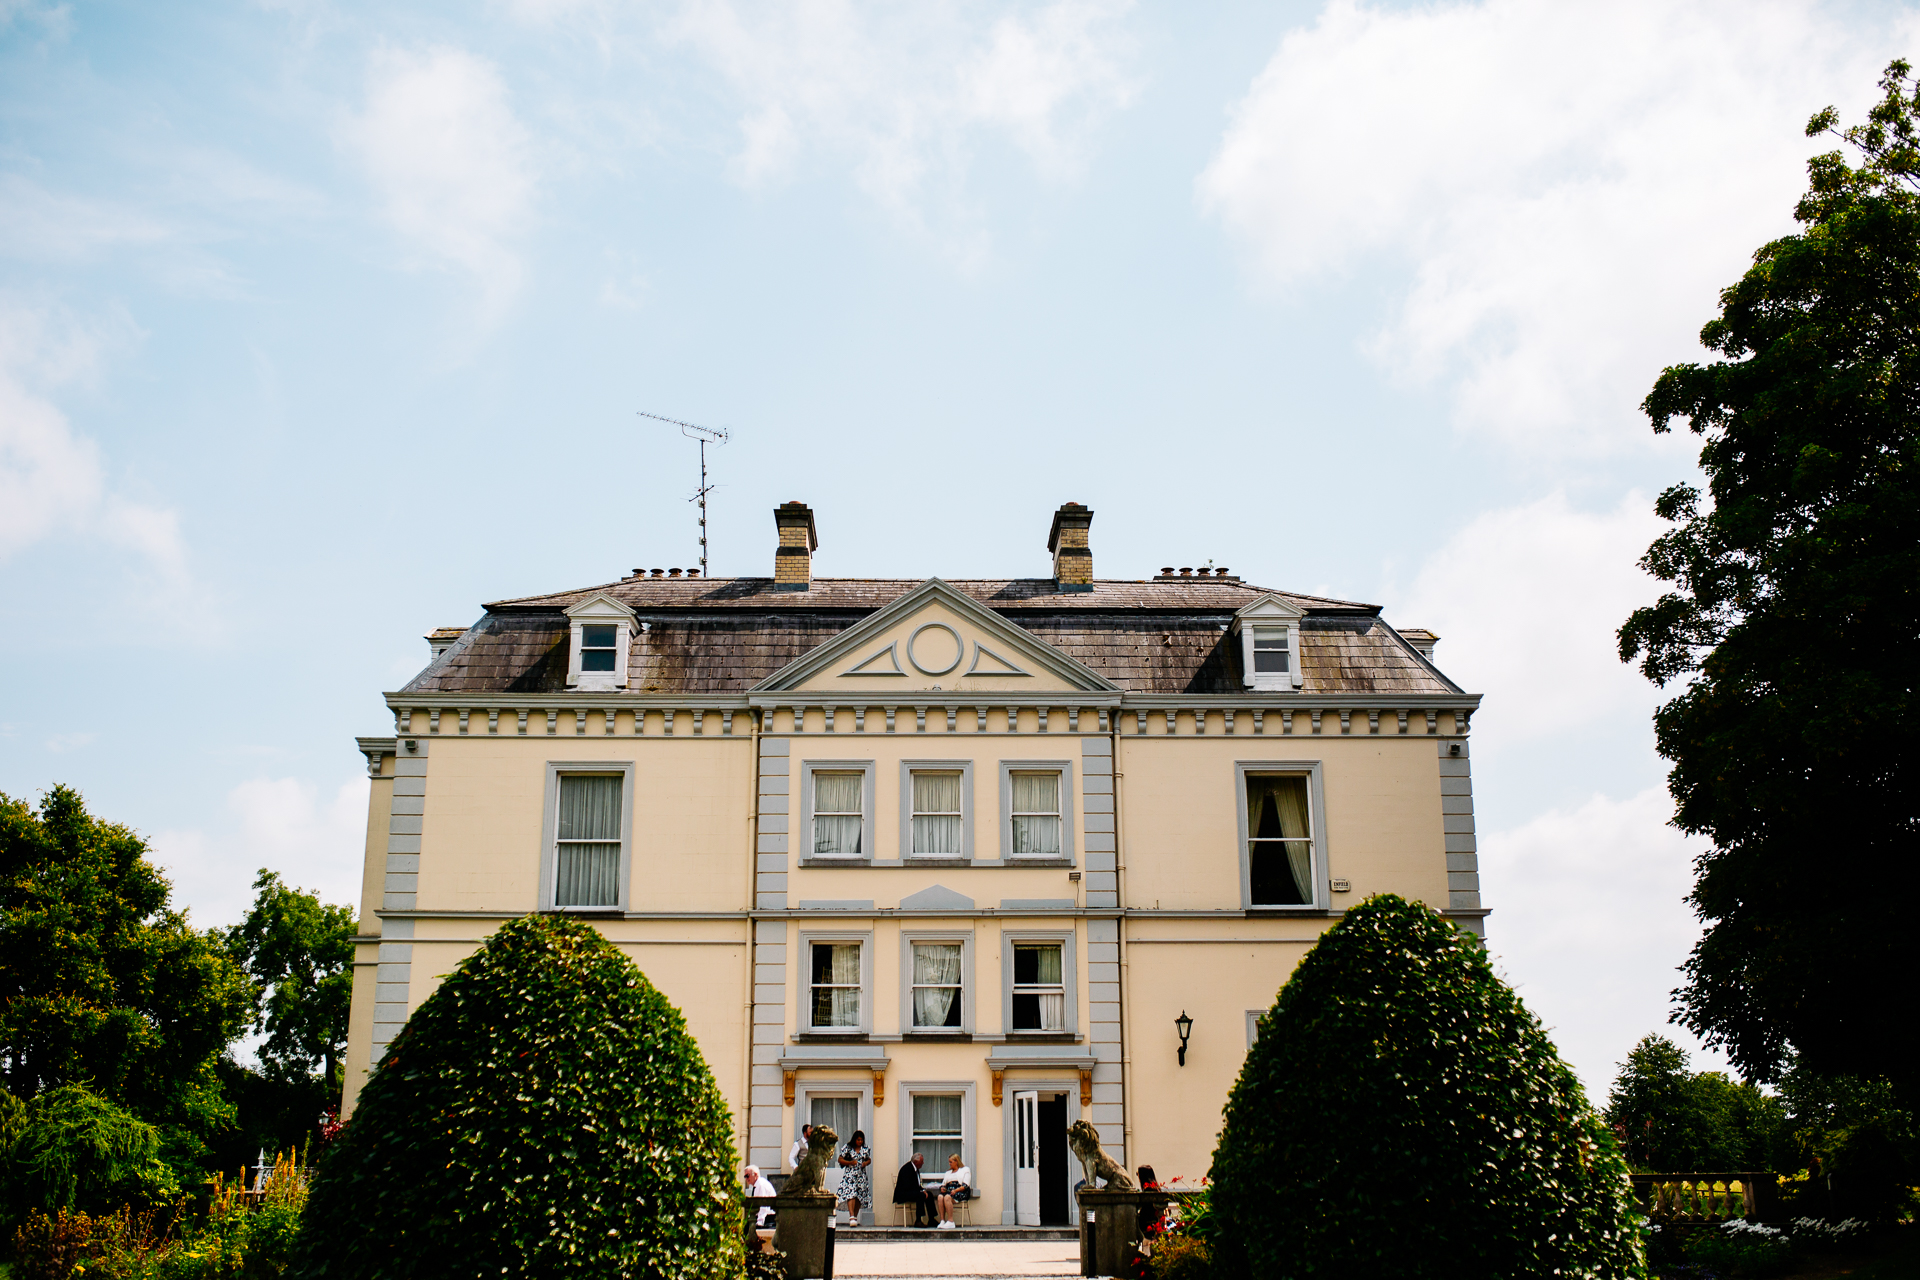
(800, 1227)
(1110, 1224)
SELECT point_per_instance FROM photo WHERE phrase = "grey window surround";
(1068, 981)
(549, 826)
(1068, 804)
(805, 831)
(803, 987)
(806, 1090)
(1317, 818)
(909, 936)
(907, 769)
(968, 1149)
(1253, 1026)
(886, 864)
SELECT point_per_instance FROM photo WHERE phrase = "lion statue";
(809, 1176)
(1099, 1166)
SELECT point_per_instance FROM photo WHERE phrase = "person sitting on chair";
(907, 1190)
(955, 1190)
(757, 1185)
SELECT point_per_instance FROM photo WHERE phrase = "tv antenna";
(706, 436)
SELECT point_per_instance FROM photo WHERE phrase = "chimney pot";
(659, 573)
(1186, 571)
(799, 539)
(1072, 552)
(673, 573)
(693, 573)
(1166, 571)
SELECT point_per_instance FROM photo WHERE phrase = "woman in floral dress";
(856, 1159)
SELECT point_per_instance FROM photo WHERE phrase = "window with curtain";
(936, 1131)
(597, 648)
(836, 985)
(936, 815)
(1039, 998)
(837, 816)
(1279, 841)
(1036, 814)
(936, 985)
(587, 856)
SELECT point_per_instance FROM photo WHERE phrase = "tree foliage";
(1402, 1114)
(102, 984)
(1794, 614)
(544, 1112)
(1672, 1119)
(70, 1149)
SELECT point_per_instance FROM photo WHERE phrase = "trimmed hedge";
(1402, 1114)
(544, 1112)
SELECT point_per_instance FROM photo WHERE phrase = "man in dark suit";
(907, 1190)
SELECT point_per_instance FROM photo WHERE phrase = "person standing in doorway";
(857, 1181)
(799, 1148)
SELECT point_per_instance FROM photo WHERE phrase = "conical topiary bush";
(545, 1113)
(1403, 1115)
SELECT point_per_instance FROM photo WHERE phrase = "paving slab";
(930, 1258)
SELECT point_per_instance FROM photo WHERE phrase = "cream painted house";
(941, 861)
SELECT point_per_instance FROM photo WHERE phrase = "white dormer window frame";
(1269, 631)
(597, 612)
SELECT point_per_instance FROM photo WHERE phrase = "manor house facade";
(943, 861)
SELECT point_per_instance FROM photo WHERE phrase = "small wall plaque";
(1342, 886)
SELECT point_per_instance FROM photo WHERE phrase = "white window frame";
(1068, 845)
(907, 769)
(599, 611)
(1069, 981)
(1317, 827)
(550, 825)
(969, 1136)
(967, 1002)
(803, 989)
(807, 769)
(1270, 611)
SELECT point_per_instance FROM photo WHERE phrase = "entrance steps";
(863, 1233)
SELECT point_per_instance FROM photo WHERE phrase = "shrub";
(1181, 1257)
(544, 1112)
(1403, 1114)
(71, 1149)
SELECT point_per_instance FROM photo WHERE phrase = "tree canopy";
(1674, 1120)
(102, 984)
(1794, 617)
(1402, 1114)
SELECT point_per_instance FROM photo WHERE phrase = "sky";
(322, 324)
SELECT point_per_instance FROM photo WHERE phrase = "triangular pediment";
(935, 638)
(1268, 607)
(599, 606)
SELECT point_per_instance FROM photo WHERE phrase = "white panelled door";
(1026, 1159)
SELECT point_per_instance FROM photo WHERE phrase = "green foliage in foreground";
(543, 1113)
(1402, 1114)
(69, 1149)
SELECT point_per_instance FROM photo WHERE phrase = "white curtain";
(936, 814)
(1278, 819)
(936, 1130)
(837, 813)
(1036, 814)
(588, 871)
(836, 984)
(936, 963)
(1053, 1005)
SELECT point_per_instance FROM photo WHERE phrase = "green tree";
(1402, 1114)
(70, 1149)
(299, 952)
(544, 1112)
(102, 984)
(1795, 617)
(1674, 1120)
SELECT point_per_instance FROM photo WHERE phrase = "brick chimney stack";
(793, 560)
(1072, 556)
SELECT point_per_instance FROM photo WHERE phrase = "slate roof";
(724, 635)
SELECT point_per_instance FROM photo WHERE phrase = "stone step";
(864, 1233)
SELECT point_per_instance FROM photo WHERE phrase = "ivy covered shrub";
(1402, 1114)
(545, 1113)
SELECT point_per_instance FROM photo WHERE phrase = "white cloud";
(1566, 186)
(902, 93)
(52, 481)
(452, 165)
(61, 743)
(1574, 575)
(1591, 925)
(40, 225)
(315, 840)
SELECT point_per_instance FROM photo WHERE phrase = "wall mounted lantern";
(1184, 1025)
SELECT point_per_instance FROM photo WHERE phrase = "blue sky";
(320, 325)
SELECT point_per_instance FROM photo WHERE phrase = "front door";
(1026, 1159)
(1055, 1181)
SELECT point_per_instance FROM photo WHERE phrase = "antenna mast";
(705, 435)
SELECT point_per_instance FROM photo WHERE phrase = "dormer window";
(600, 629)
(597, 648)
(1270, 650)
(1270, 645)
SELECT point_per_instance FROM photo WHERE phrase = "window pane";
(588, 876)
(1036, 793)
(596, 659)
(936, 976)
(1280, 848)
(1038, 837)
(940, 836)
(596, 637)
(836, 792)
(589, 807)
(1269, 660)
(1048, 966)
(837, 836)
(936, 1114)
(1026, 1012)
(1270, 649)
(936, 793)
